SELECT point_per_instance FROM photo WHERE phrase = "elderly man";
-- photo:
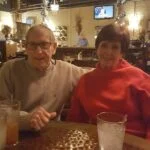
(42, 84)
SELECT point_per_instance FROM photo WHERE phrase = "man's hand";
(40, 117)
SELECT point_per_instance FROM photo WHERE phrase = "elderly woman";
(114, 86)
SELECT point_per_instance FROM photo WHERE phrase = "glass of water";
(3, 127)
(111, 130)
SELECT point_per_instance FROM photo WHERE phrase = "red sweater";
(125, 90)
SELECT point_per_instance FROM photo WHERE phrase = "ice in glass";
(111, 130)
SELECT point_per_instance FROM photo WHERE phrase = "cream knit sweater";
(50, 89)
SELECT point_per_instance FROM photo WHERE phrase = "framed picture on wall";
(148, 29)
(22, 29)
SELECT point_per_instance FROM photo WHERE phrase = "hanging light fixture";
(54, 6)
(120, 19)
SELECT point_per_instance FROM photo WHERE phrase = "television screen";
(104, 12)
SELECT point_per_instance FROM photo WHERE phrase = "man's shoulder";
(64, 64)
(13, 63)
(61, 62)
(16, 60)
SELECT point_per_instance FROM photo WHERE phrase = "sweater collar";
(39, 73)
(121, 64)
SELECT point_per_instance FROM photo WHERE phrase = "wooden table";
(64, 135)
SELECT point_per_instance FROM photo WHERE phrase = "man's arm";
(36, 120)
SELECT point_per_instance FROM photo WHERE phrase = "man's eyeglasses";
(42, 45)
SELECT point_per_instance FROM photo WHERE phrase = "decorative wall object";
(3, 1)
(61, 33)
(7, 31)
(22, 28)
(18, 17)
(78, 21)
(31, 20)
(148, 28)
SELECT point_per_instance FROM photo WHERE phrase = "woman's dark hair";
(113, 32)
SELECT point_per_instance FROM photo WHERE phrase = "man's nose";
(38, 48)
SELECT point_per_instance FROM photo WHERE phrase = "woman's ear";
(97, 52)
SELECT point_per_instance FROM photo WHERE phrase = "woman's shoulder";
(130, 69)
(135, 71)
(89, 75)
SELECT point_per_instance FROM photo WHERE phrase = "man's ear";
(54, 48)
(25, 44)
(26, 49)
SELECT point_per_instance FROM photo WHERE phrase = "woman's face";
(109, 53)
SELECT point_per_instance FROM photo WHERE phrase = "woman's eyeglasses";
(42, 45)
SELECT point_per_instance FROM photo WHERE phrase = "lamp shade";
(54, 6)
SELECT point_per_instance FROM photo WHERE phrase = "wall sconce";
(134, 21)
(54, 6)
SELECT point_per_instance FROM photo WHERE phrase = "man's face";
(40, 49)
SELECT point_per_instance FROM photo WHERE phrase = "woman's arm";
(77, 112)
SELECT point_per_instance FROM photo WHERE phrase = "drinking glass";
(3, 126)
(12, 109)
(111, 130)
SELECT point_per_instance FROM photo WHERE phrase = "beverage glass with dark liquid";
(12, 132)
(3, 127)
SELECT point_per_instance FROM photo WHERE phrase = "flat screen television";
(104, 12)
